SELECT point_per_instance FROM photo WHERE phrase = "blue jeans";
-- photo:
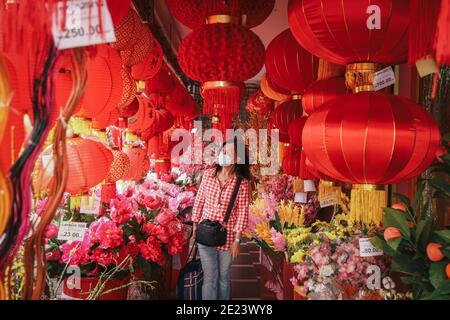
(216, 267)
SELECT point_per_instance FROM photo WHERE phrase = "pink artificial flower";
(171, 189)
(151, 251)
(151, 202)
(106, 232)
(74, 253)
(51, 231)
(176, 244)
(173, 205)
(278, 240)
(121, 211)
(165, 216)
(166, 178)
(186, 199)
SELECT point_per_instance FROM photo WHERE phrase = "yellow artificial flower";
(262, 231)
(298, 257)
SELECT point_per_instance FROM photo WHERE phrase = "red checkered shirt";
(212, 203)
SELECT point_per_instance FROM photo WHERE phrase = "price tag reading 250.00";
(72, 231)
(82, 24)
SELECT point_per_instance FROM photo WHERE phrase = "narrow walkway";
(245, 273)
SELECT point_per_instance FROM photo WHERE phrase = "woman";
(211, 203)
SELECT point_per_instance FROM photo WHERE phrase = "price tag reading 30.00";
(72, 231)
(367, 249)
(82, 24)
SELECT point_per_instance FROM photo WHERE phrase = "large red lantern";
(229, 55)
(347, 31)
(286, 113)
(291, 161)
(104, 83)
(371, 138)
(193, 13)
(295, 131)
(161, 121)
(179, 102)
(321, 92)
(105, 119)
(141, 120)
(289, 65)
(89, 163)
(150, 66)
(259, 103)
(129, 110)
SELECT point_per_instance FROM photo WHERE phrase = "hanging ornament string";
(34, 248)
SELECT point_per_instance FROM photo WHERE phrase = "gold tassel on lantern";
(328, 189)
(298, 185)
(367, 203)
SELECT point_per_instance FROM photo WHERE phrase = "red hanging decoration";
(89, 163)
(337, 30)
(259, 103)
(120, 167)
(139, 162)
(370, 138)
(295, 131)
(225, 50)
(151, 65)
(105, 119)
(286, 113)
(118, 9)
(193, 13)
(141, 50)
(163, 82)
(442, 40)
(180, 102)
(129, 110)
(161, 121)
(422, 28)
(289, 65)
(291, 161)
(321, 92)
(271, 91)
(129, 88)
(128, 31)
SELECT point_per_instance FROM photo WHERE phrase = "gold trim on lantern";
(219, 84)
(359, 76)
(162, 160)
(297, 97)
(222, 18)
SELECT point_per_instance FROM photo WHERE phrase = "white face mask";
(224, 160)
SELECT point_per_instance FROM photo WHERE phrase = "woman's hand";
(235, 249)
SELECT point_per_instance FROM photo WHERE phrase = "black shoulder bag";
(212, 233)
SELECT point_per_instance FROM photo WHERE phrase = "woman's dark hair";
(241, 169)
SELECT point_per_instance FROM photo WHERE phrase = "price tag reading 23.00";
(367, 249)
(82, 24)
(71, 231)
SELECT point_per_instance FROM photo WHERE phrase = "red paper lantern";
(89, 163)
(139, 163)
(141, 50)
(104, 84)
(269, 90)
(118, 9)
(286, 113)
(370, 138)
(337, 30)
(321, 92)
(20, 78)
(120, 167)
(180, 102)
(304, 172)
(295, 131)
(151, 65)
(289, 65)
(230, 54)
(105, 119)
(163, 82)
(129, 110)
(141, 120)
(128, 31)
(161, 121)
(291, 161)
(259, 103)
(129, 88)
(193, 13)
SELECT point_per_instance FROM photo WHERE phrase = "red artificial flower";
(74, 253)
(104, 257)
(53, 255)
(151, 251)
(106, 232)
(51, 232)
(121, 210)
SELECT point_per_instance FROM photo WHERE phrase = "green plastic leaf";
(437, 273)
(444, 234)
(394, 243)
(403, 199)
(419, 229)
(377, 242)
(397, 219)
(418, 198)
(441, 293)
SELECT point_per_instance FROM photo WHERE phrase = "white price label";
(90, 205)
(383, 78)
(71, 231)
(82, 24)
(329, 200)
(367, 249)
(309, 186)
(301, 197)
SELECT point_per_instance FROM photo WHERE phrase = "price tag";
(309, 185)
(90, 205)
(367, 249)
(82, 24)
(71, 231)
(301, 197)
(329, 200)
(383, 78)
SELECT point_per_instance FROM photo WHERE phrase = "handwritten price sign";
(329, 200)
(383, 78)
(71, 231)
(366, 248)
(82, 24)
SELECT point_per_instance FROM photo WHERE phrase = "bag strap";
(233, 199)
(193, 249)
